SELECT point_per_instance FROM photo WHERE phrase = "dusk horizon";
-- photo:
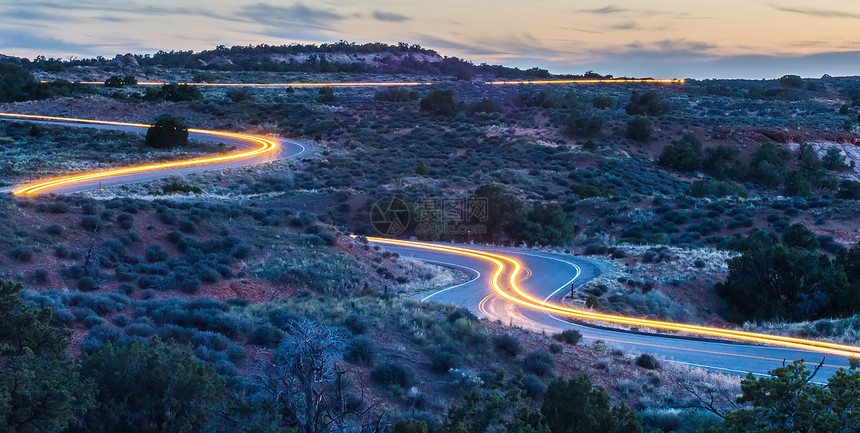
(669, 39)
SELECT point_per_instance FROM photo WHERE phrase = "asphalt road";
(287, 149)
(549, 276)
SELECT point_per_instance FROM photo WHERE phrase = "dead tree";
(306, 381)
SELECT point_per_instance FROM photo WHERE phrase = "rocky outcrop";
(123, 60)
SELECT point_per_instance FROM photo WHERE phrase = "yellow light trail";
(265, 146)
(529, 301)
(405, 83)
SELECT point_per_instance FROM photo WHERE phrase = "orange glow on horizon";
(530, 302)
(265, 146)
(404, 83)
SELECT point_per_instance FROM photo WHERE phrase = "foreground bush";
(168, 132)
(149, 388)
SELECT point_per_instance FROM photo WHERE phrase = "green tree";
(683, 155)
(793, 81)
(40, 388)
(639, 129)
(722, 163)
(796, 185)
(504, 211)
(327, 95)
(500, 406)
(768, 165)
(798, 236)
(789, 401)
(167, 133)
(117, 81)
(583, 123)
(149, 387)
(649, 104)
(575, 405)
(547, 225)
(786, 283)
(440, 102)
(849, 190)
(834, 159)
(174, 93)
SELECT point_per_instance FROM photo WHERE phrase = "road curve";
(510, 285)
(256, 150)
(544, 278)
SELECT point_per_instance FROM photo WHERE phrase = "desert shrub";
(360, 350)
(440, 102)
(117, 81)
(711, 188)
(326, 273)
(239, 95)
(396, 94)
(177, 333)
(21, 254)
(569, 336)
(603, 101)
(87, 284)
(180, 188)
(647, 361)
(40, 275)
(446, 357)
(507, 344)
(120, 320)
(212, 340)
(639, 129)
(55, 230)
(393, 374)
(539, 362)
(140, 329)
(92, 321)
(355, 324)
(99, 335)
(91, 223)
(266, 336)
(556, 348)
(155, 254)
(533, 386)
(167, 133)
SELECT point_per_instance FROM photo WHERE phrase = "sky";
(656, 38)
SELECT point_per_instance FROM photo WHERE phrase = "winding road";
(524, 288)
(258, 150)
(517, 287)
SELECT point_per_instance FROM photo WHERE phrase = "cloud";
(390, 17)
(23, 39)
(606, 10)
(628, 25)
(49, 9)
(819, 13)
(296, 14)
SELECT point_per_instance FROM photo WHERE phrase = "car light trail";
(406, 83)
(265, 146)
(528, 301)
